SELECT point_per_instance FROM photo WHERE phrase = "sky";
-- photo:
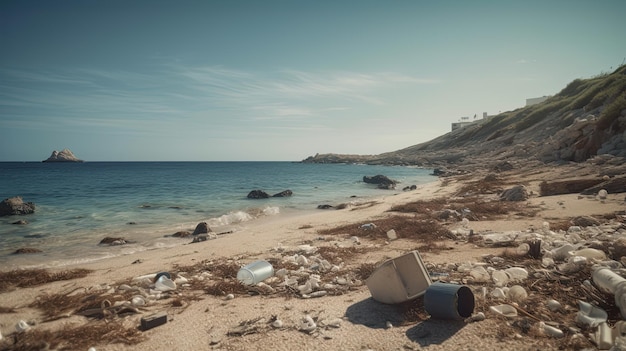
(153, 80)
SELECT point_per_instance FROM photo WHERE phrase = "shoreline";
(204, 321)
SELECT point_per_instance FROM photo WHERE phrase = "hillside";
(585, 119)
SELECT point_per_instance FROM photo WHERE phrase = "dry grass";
(405, 226)
(475, 208)
(490, 184)
(72, 337)
(34, 277)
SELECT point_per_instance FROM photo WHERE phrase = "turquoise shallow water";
(78, 204)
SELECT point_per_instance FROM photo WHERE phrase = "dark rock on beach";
(516, 193)
(202, 228)
(325, 207)
(16, 206)
(26, 250)
(258, 194)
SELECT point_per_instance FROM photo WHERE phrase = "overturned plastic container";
(255, 272)
(449, 301)
(400, 279)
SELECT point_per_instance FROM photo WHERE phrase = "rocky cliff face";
(586, 119)
(64, 155)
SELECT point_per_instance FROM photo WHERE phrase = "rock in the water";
(26, 250)
(20, 222)
(382, 181)
(516, 193)
(202, 228)
(64, 155)
(258, 194)
(16, 206)
(285, 193)
(181, 234)
(113, 241)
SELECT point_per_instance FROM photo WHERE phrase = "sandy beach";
(270, 316)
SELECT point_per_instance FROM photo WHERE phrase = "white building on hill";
(537, 100)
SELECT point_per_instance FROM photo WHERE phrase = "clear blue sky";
(204, 80)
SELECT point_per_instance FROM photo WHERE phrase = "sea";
(79, 204)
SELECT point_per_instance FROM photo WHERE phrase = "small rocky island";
(64, 155)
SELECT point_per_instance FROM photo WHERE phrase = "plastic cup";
(255, 272)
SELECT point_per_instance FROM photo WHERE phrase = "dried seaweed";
(34, 277)
(72, 337)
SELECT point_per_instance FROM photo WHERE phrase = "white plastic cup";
(22, 326)
(255, 272)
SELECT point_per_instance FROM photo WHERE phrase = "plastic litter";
(517, 274)
(500, 278)
(307, 324)
(550, 330)
(480, 274)
(22, 326)
(505, 310)
(608, 281)
(449, 301)
(554, 305)
(164, 284)
(590, 315)
(255, 272)
(400, 279)
(391, 235)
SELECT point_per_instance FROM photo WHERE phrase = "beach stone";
(20, 222)
(258, 194)
(382, 181)
(284, 193)
(202, 228)
(503, 167)
(181, 234)
(26, 250)
(516, 193)
(16, 206)
(585, 221)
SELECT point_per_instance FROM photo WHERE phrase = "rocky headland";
(585, 120)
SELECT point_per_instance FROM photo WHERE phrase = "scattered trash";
(22, 326)
(449, 301)
(609, 282)
(554, 305)
(400, 279)
(255, 272)
(153, 320)
(505, 310)
(550, 330)
(590, 315)
(307, 324)
(164, 283)
(391, 235)
(478, 317)
(277, 324)
(368, 226)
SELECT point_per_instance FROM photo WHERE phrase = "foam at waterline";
(236, 217)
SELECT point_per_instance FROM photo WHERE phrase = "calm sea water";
(78, 204)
